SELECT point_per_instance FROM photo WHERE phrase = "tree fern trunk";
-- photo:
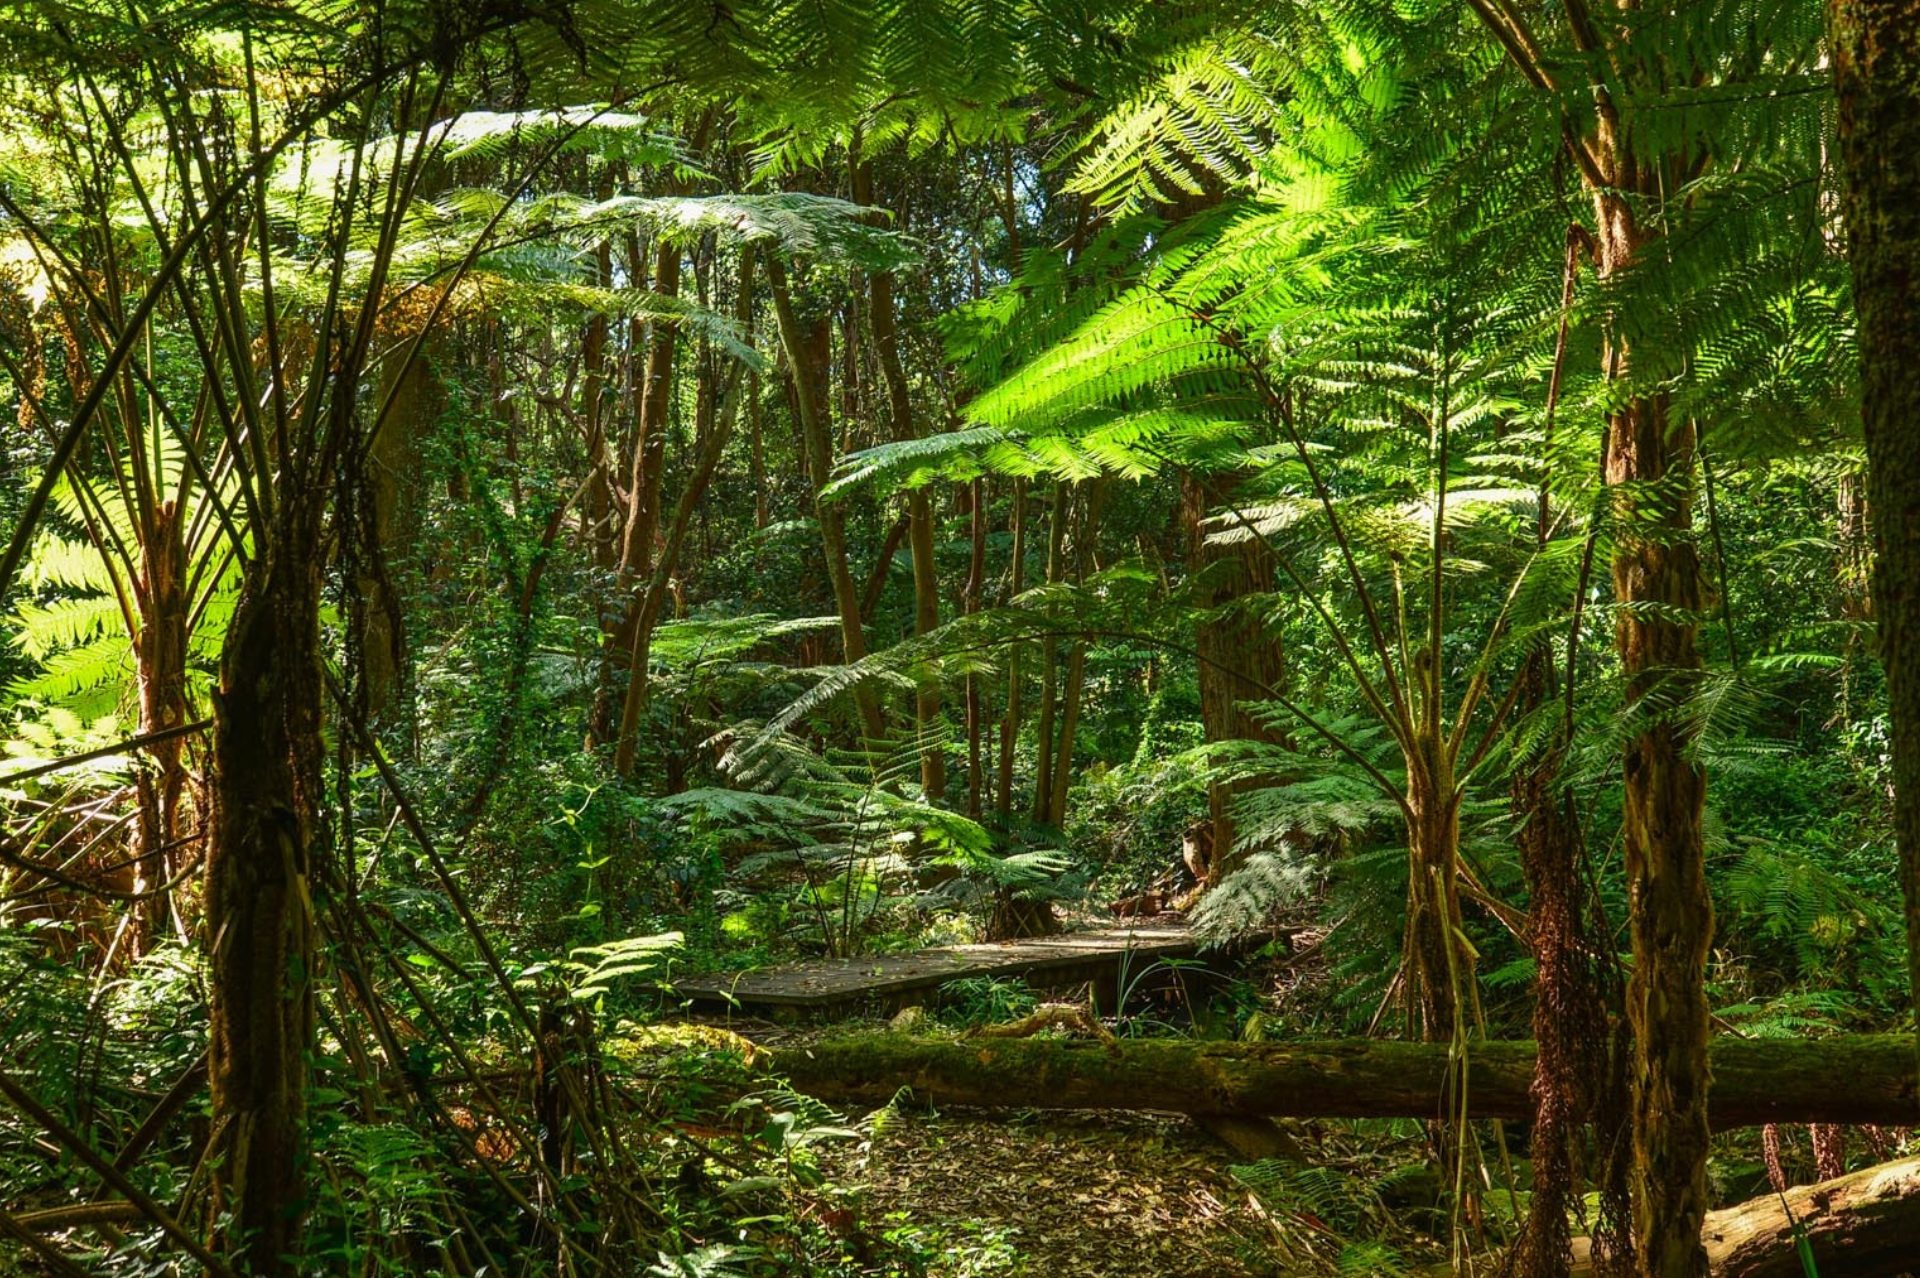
(267, 789)
(1876, 57)
(1439, 966)
(1571, 1070)
(1656, 583)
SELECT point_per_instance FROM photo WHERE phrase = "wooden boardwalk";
(886, 982)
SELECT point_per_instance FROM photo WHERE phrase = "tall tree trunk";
(597, 510)
(920, 530)
(1050, 660)
(1875, 49)
(809, 359)
(970, 604)
(1237, 656)
(160, 661)
(392, 472)
(643, 498)
(1656, 582)
(653, 601)
(1016, 582)
(267, 783)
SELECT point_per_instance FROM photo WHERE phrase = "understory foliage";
(700, 487)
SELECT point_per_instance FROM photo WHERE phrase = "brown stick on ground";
(1066, 1016)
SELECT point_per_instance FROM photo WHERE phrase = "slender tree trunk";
(1069, 728)
(643, 498)
(392, 488)
(1050, 660)
(1237, 656)
(1440, 966)
(160, 659)
(926, 579)
(756, 416)
(809, 357)
(970, 604)
(653, 601)
(597, 511)
(267, 783)
(1656, 581)
(1875, 49)
(882, 568)
(1016, 582)
(1575, 1083)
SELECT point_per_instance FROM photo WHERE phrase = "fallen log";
(1864, 1225)
(1846, 1079)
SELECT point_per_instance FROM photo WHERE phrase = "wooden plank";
(884, 978)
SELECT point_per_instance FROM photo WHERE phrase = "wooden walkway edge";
(1108, 958)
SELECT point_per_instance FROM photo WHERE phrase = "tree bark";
(597, 510)
(808, 348)
(643, 499)
(1569, 1008)
(1865, 1225)
(1439, 964)
(1016, 582)
(653, 600)
(970, 604)
(926, 580)
(1848, 1079)
(1656, 582)
(160, 660)
(1231, 643)
(392, 486)
(1875, 48)
(267, 783)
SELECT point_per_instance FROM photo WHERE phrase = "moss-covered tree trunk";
(267, 783)
(1851, 1078)
(1876, 58)
(1656, 583)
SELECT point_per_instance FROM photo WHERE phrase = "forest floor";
(1113, 1195)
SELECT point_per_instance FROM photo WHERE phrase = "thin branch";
(75, 1144)
(107, 751)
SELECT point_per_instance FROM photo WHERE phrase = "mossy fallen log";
(1844, 1079)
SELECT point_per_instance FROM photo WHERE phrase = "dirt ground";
(1108, 1196)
